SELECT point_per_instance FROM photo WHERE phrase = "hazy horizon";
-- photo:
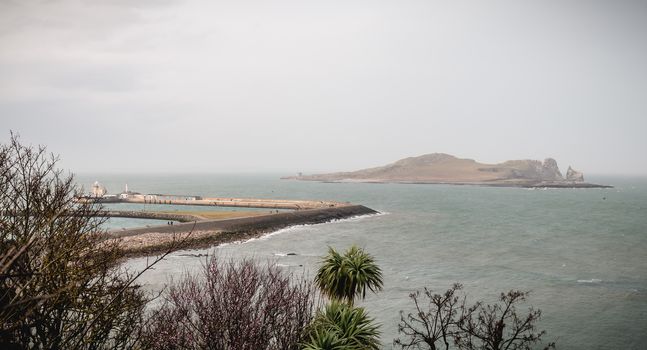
(290, 172)
(304, 86)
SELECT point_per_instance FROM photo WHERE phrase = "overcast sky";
(287, 86)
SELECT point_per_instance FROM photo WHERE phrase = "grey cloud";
(336, 85)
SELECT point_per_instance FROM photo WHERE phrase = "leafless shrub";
(233, 306)
(60, 285)
(477, 327)
(499, 326)
(431, 324)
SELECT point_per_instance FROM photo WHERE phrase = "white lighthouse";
(98, 190)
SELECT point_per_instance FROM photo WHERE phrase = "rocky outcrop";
(534, 170)
(550, 170)
(574, 175)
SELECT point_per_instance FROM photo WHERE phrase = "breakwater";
(261, 222)
(149, 215)
(217, 201)
(205, 233)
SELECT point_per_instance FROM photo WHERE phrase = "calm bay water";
(581, 252)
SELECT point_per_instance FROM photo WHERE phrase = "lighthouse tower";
(98, 190)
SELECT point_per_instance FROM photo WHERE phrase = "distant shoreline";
(485, 184)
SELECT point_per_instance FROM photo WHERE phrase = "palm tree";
(341, 326)
(321, 339)
(345, 277)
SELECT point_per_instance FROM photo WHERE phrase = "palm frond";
(350, 326)
(344, 277)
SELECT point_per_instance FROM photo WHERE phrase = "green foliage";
(344, 277)
(342, 326)
(321, 339)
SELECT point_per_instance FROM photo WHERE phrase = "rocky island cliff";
(441, 168)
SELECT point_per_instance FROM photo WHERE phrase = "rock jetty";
(206, 233)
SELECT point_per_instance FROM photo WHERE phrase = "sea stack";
(574, 175)
(550, 171)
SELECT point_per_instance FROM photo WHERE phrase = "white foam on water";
(593, 280)
(300, 227)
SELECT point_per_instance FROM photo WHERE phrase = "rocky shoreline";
(486, 184)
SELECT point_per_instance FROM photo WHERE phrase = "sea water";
(582, 253)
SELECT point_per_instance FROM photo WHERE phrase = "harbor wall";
(149, 215)
(261, 223)
(218, 202)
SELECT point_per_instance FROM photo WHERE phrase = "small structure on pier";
(173, 197)
(98, 190)
(129, 194)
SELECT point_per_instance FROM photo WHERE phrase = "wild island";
(441, 168)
